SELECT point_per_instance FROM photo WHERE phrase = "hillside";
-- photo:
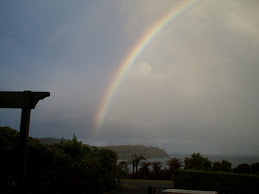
(125, 151)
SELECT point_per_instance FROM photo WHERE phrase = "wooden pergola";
(26, 100)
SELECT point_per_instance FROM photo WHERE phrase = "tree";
(123, 169)
(135, 160)
(174, 164)
(197, 162)
(138, 159)
(75, 149)
(109, 168)
(223, 166)
(255, 168)
(9, 149)
(132, 161)
(93, 170)
(144, 170)
(156, 165)
(242, 169)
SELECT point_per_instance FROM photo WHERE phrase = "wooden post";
(24, 133)
(26, 100)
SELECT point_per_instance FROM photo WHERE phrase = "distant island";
(124, 151)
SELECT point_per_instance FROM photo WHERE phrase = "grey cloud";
(203, 84)
(194, 88)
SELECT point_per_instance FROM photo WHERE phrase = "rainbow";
(134, 53)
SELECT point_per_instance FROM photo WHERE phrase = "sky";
(193, 88)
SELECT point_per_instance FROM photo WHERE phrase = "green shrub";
(255, 168)
(223, 166)
(242, 169)
(197, 162)
(216, 181)
(68, 166)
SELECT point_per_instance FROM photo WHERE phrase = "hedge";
(221, 182)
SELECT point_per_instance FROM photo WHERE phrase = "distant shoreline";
(161, 155)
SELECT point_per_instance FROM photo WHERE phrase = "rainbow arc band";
(134, 53)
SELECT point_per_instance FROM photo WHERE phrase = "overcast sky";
(193, 89)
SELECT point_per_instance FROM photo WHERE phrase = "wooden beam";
(26, 99)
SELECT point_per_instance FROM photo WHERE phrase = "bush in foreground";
(216, 181)
(68, 166)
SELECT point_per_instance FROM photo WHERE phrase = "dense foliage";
(65, 167)
(221, 182)
(223, 166)
(242, 169)
(51, 140)
(197, 162)
(72, 167)
(149, 170)
(255, 168)
(153, 170)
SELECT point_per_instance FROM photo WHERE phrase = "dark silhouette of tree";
(132, 161)
(174, 164)
(89, 169)
(223, 166)
(138, 159)
(255, 168)
(156, 165)
(144, 170)
(242, 169)
(135, 160)
(197, 162)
